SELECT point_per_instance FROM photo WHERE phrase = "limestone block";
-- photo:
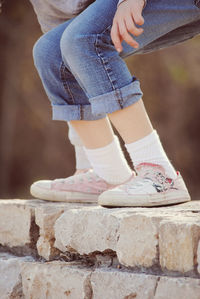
(178, 288)
(45, 218)
(15, 223)
(114, 284)
(55, 280)
(138, 240)
(129, 232)
(10, 276)
(87, 230)
(132, 233)
(178, 241)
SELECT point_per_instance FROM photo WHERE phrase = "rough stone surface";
(98, 229)
(24, 278)
(178, 288)
(23, 223)
(146, 238)
(15, 223)
(133, 233)
(45, 218)
(178, 241)
(87, 230)
(122, 285)
(10, 276)
(138, 241)
(55, 280)
(63, 280)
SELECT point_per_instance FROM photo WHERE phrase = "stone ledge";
(161, 240)
(30, 279)
(27, 226)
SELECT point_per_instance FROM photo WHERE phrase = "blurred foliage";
(35, 147)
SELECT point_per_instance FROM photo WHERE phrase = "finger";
(126, 36)
(130, 25)
(115, 36)
(137, 17)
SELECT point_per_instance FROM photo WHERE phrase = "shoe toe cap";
(44, 184)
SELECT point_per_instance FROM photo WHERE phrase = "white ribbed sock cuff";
(73, 136)
(149, 149)
(109, 162)
(143, 142)
(82, 161)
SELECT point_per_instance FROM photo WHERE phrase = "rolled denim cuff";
(74, 112)
(116, 99)
(120, 1)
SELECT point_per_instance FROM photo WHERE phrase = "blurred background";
(34, 147)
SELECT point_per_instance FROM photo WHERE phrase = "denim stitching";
(107, 28)
(81, 112)
(108, 70)
(65, 85)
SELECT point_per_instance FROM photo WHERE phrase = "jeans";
(82, 73)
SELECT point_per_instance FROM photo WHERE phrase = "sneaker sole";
(143, 200)
(64, 196)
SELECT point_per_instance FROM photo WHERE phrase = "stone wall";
(63, 250)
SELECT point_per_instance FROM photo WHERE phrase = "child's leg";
(92, 58)
(69, 101)
(175, 36)
(61, 87)
(133, 124)
(117, 92)
(54, 75)
(117, 97)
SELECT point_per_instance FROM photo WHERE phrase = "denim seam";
(108, 70)
(81, 112)
(64, 82)
(105, 29)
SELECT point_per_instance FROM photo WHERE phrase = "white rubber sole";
(64, 196)
(148, 200)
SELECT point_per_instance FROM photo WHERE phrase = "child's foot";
(151, 187)
(84, 187)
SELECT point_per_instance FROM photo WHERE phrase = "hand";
(127, 16)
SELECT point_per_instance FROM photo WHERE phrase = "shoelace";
(89, 176)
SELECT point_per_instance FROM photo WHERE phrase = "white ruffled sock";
(81, 158)
(149, 149)
(109, 162)
(82, 161)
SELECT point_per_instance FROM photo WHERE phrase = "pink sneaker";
(85, 187)
(151, 187)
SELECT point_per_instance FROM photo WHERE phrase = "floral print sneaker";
(151, 187)
(84, 187)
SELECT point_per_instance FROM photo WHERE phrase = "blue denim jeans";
(82, 73)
